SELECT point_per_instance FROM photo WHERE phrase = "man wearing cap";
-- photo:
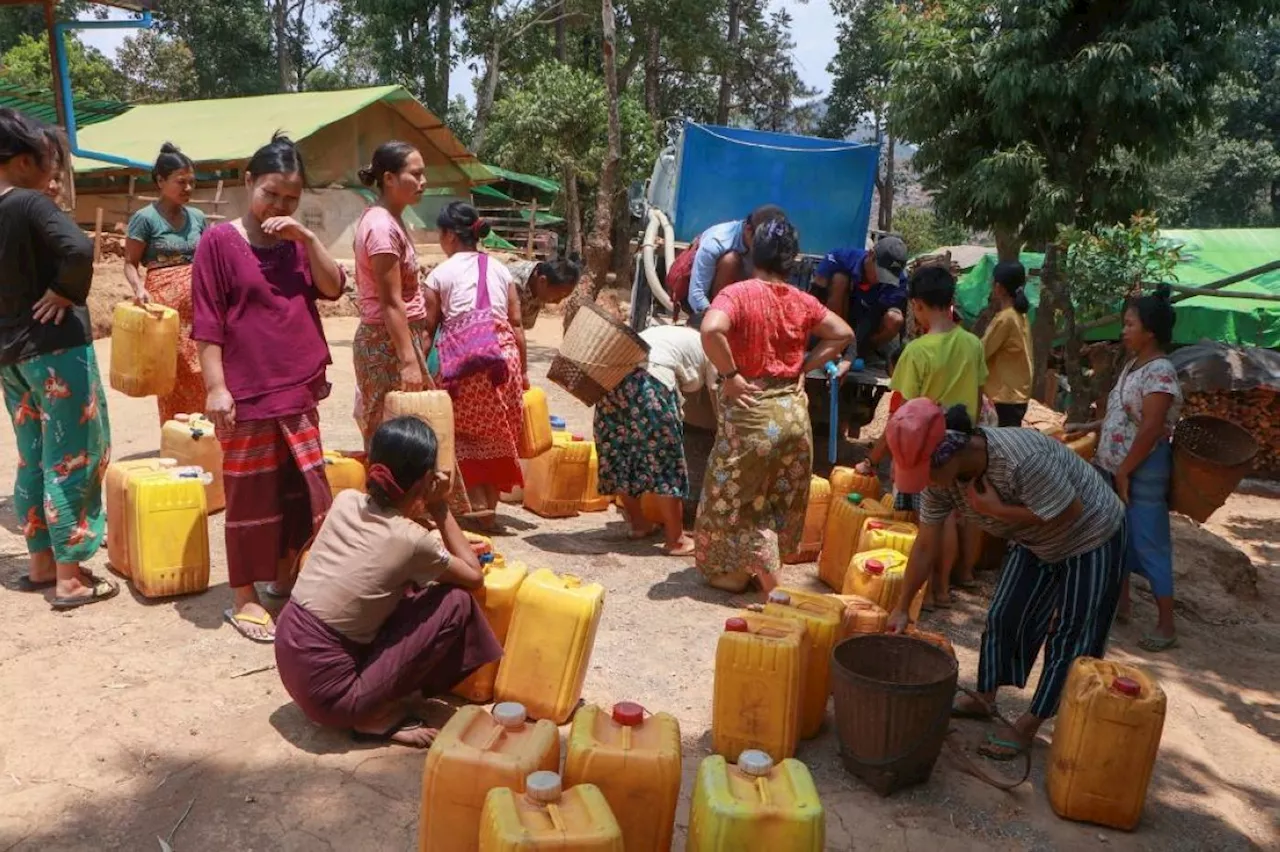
(1066, 559)
(868, 288)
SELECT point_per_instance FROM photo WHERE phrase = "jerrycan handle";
(544, 788)
(628, 715)
(193, 472)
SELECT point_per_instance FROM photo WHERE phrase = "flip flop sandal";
(385, 738)
(239, 620)
(1010, 749)
(26, 584)
(102, 590)
(1155, 643)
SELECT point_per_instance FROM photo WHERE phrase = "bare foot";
(408, 732)
(682, 546)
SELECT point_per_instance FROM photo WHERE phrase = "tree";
(727, 73)
(232, 40)
(156, 68)
(922, 230)
(28, 20)
(461, 120)
(92, 74)
(600, 245)
(399, 40)
(1033, 116)
(767, 87)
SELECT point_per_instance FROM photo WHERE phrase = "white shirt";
(455, 282)
(676, 358)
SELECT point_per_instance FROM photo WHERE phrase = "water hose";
(833, 384)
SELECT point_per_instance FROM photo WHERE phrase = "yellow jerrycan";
(821, 618)
(556, 481)
(115, 486)
(755, 805)
(840, 541)
(343, 472)
(592, 501)
(144, 349)
(535, 434)
(168, 532)
(884, 534)
(547, 818)
(815, 522)
(759, 685)
(190, 439)
(878, 576)
(497, 599)
(433, 407)
(861, 616)
(846, 481)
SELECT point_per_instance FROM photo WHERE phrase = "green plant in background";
(923, 230)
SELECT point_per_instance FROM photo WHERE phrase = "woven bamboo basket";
(1210, 457)
(597, 353)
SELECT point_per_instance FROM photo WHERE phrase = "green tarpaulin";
(1207, 256)
(541, 184)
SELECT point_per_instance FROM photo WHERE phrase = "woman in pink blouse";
(262, 349)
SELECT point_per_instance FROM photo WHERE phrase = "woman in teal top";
(162, 237)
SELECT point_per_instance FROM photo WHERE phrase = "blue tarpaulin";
(824, 185)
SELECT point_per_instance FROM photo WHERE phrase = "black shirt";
(41, 249)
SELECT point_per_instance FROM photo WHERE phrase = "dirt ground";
(120, 718)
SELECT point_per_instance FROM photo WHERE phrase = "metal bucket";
(893, 699)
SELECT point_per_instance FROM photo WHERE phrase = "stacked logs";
(1257, 410)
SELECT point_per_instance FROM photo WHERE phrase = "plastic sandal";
(1154, 643)
(239, 619)
(102, 590)
(1010, 749)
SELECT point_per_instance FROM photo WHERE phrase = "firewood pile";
(1257, 410)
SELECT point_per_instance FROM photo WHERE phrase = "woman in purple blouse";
(263, 353)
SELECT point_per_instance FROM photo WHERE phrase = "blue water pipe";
(64, 73)
(834, 429)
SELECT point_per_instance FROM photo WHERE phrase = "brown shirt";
(360, 563)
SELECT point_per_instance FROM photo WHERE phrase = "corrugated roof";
(541, 183)
(40, 104)
(229, 130)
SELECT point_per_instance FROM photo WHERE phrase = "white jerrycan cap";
(755, 763)
(192, 472)
(779, 597)
(543, 787)
(510, 714)
(166, 464)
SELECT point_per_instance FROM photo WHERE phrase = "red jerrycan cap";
(1127, 686)
(876, 525)
(578, 438)
(874, 566)
(736, 625)
(628, 714)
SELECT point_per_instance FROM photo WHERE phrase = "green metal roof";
(41, 105)
(539, 183)
(489, 192)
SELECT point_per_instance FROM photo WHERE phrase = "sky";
(813, 28)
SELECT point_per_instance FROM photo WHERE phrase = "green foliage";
(1106, 264)
(28, 20)
(231, 40)
(92, 74)
(922, 230)
(768, 93)
(156, 68)
(862, 68)
(392, 41)
(461, 119)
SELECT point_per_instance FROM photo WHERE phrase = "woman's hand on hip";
(286, 228)
(50, 308)
(741, 392)
(221, 408)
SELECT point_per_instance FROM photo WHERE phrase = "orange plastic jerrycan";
(497, 598)
(168, 532)
(190, 439)
(1104, 743)
(144, 349)
(433, 407)
(861, 616)
(759, 684)
(343, 472)
(821, 617)
(755, 805)
(840, 542)
(635, 761)
(556, 481)
(884, 534)
(846, 481)
(905, 516)
(535, 434)
(116, 497)
(815, 522)
(878, 576)
(475, 752)
(547, 817)
(548, 648)
(591, 499)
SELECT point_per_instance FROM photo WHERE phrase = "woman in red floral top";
(757, 482)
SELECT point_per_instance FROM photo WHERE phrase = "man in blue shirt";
(723, 257)
(868, 288)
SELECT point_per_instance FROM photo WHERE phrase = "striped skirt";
(171, 286)
(277, 493)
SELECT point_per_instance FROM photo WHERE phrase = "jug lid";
(876, 525)
(873, 566)
(779, 597)
(855, 498)
(543, 786)
(755, 763)
(628, 714)
(577, 437)
(510, 714)
(486, 558)
(736, 625)
(1127, 686)
(182, 418)
(557, 422)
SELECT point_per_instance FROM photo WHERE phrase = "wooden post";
(97, 236)
(51, 21)
(128, 204)
(533, 224)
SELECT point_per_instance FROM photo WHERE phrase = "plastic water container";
(755, 805)
(559, 432)
(550, 818)
(883, 534)
(846, 481)
(759, 682)
(168, 532)
(343, 472)
(535, 434)
(497, 599)
(433, 407)
(557, 480)
(190, 439)
(840, 542)
(1084, 446)
(820, 616)
(548, 648)
(116, 497)
(1105, 741)
(861, 616)
(476, 752)
(815, 522)
(878, 575)
(144, 349)
(905, 516)
(634, 759)
(591, 499)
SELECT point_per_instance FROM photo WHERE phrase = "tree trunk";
(487, 95)
(283, 63)
(444, 56)
(652, 68)
(730, 64)
(1008, 246)
(1042, 330)
(600, 243)
(888, 185)
(620, 263)
(562, 38)
(572, 212)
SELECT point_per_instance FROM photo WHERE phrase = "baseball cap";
(915, 430)
(891, 259)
